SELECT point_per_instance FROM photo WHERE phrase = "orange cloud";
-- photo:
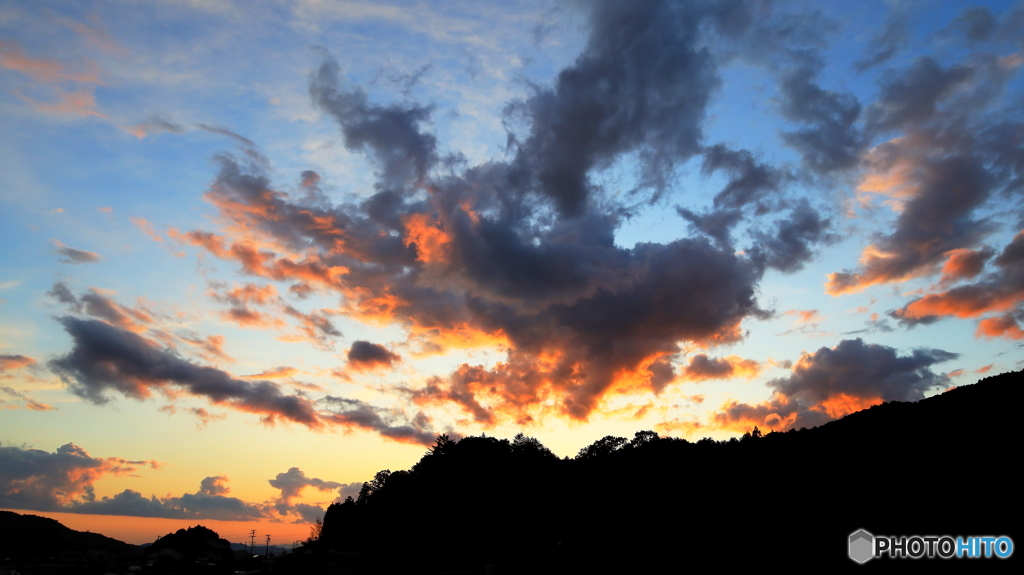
(834, 382)
(78, 103)
(246, 317)
(1001, 291)
(10, 362)
(935, 195)
(843, 404)
(880, 267)
(964, 264)
(438, 339)
(265, 263)
(1003, 326)
(984, 368)
(13, 57)
(777, 415)
(136, 319)
(147, 228)
(964, 302)
(805, 315)
(686, 427)
(211, 348)
(281, 372)
(430, 241)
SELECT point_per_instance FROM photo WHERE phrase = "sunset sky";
(255, 251)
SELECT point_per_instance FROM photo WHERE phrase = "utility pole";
(252, 541)
(266, 553)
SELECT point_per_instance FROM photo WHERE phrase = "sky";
(255, 252)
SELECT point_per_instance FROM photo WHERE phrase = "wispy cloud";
(70, 255)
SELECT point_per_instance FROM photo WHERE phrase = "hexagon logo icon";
(861, 544)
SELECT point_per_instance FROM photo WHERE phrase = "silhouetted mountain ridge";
(24, 536)
(650, 502)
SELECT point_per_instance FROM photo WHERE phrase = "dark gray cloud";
(911, 96)
(641, 84)
(70, 255)
(199, 505)
(105, 358)
(886, 44)
(358, 414)
(832, 382)
(703, 367)
(662, 373)
(391, 134)
(63, 294)
(292, 483)
(830, 140)
(366, 354)
(226, 132)
(791, 243)
(749, 181)
(974, 24)
(716, 223)
(864, 370)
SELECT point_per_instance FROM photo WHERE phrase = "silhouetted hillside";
(944, 465)
(29, 536)
(192, 544)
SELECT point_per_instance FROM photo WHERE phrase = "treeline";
(944, 465)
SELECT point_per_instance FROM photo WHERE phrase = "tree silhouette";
(602, 447)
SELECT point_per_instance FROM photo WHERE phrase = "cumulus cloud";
(366, 355)
(209, 502)
(44, 481)
(829, 140)
(520, 253)
(833, 382)
(292, 483)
